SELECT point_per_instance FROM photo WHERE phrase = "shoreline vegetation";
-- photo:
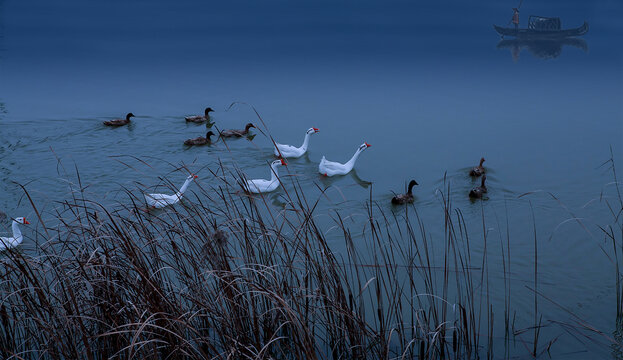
(222, 275)
(246, 281)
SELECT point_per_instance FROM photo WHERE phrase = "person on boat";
(515, 19)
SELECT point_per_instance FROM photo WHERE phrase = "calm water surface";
(427, 85)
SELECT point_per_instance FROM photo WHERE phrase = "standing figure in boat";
(516, 18)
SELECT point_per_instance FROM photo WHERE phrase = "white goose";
(260, 185)
(330, 168)
(289, 151)
(11, 242)
(159, 201)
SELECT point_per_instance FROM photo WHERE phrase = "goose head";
(21, 220)
(129, 115)
(279, 162)
(364, 146)
(311, 131)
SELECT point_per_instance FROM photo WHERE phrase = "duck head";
(248, 126)
(312, 131)
(412, 183)
(208, 109)
(482, 160)
(208, 134)
(129, 115)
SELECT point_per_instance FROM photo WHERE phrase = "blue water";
(424, 83)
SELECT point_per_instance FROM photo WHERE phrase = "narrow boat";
(540, 27)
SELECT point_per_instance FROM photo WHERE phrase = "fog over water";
(429, 84)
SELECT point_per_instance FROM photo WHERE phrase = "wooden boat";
(540, 27)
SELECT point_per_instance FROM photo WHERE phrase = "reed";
(230, 276)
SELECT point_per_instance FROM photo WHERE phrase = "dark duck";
(405, 198)
(479, 191)
(119, 122)
(199, 118)
(200, 140)
(478, 170)
(236, 132)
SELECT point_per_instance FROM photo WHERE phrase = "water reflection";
(363, 183)
(541, 48)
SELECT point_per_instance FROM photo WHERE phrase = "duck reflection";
(541, 48)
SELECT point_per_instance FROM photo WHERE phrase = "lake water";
(426, 84)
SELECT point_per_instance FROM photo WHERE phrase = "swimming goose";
(199, 118)
(330, 168)
(11, 242)
(479, 191)
(119, 122)
(478, 170)
(200, 140)
(159, 201)
(405, 198)
(236, 132)
(257, 186)
(289, 151)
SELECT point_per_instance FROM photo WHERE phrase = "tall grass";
(230, 276)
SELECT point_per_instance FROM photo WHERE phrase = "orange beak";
(195, 176)
(368, 145)
(316, 129)
(26, 221)
(283, 162)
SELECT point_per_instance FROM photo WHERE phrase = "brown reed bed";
(229, 276)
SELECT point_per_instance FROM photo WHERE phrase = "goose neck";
(183, 188)
(274, 174)
(352, 160)
(17, 233)
(305, 142)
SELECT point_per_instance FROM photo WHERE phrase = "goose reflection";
(541, 48)
(328, 181)
(363, 183)
(279, 200)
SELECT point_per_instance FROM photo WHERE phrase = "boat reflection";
(541, 48)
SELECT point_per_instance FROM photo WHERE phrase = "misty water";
(430, 86)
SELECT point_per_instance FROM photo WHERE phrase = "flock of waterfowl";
(325, 167)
